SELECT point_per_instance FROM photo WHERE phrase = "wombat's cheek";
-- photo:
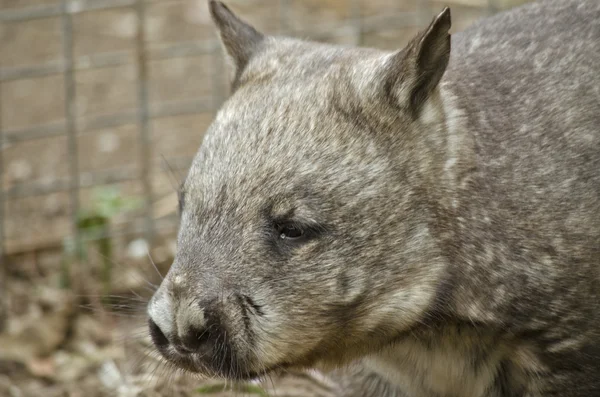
(350, 285)
(286, 344)
(293, 327)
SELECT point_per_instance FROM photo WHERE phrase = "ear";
(417, 70)
(238, 38)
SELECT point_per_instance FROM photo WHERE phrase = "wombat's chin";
(226, 366)
(235, 373)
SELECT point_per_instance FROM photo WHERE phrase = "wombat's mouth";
(216, 351)
(226, 363)
(226, 367)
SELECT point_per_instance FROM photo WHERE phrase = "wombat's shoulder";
(552, 38)
(508, 69)
(562, 26)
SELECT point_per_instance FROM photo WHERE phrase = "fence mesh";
(118, 93)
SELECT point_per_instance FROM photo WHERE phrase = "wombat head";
(304, 239)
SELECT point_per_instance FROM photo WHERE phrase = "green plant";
(93, 226)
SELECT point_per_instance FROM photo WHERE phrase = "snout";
(191, 332)
(208, 335)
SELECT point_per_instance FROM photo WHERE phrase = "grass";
(244, 388)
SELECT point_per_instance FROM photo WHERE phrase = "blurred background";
(103, 104)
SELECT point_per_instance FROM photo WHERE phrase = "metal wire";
(70, 112)
(2, 260)
(144, 117)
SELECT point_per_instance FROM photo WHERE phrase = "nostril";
(197, 339)
(158, 337)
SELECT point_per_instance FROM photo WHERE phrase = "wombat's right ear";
(415, 72)
(239, 39)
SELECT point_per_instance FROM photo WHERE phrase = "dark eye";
(290, 232)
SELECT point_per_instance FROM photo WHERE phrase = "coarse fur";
(418, 223)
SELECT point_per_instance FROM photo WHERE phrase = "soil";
(59, 343)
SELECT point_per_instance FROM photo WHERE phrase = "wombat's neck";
(483, 247)
(454, 360)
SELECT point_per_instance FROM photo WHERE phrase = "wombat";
(416, 223)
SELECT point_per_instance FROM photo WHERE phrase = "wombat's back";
(529, 84)
(534, 69)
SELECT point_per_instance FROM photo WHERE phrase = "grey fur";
(451, 241)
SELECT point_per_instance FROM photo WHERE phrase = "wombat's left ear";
(239, 39)
(416, 70)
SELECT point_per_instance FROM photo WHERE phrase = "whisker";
(154, 265)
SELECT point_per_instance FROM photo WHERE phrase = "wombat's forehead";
(273, 119)
(276, 135)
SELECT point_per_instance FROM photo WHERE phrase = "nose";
(193, 340)
(191, 329)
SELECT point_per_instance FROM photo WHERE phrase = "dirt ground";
(61, 343)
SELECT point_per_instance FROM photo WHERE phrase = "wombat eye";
(290, 232)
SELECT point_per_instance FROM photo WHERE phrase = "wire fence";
(354, 27)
